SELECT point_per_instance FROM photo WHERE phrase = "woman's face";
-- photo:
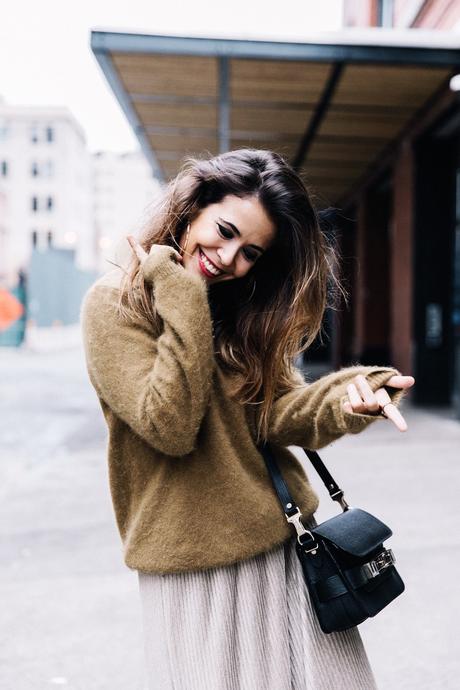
(226, 239)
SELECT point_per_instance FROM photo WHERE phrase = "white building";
(45, 187)
(123, 189)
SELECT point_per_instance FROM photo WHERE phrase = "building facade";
(123, 189)
(64, 213)
(406, 230)
(415, 14)
(45, 187)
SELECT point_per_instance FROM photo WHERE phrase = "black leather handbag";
(350, 575)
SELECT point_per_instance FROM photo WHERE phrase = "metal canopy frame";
(111, 74)
(430, 54)
(436, 49)
(318, 115)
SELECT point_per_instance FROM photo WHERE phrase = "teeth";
(209, 266)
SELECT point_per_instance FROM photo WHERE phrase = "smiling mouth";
(207, 266)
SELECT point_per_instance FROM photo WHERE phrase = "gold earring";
(186, 240)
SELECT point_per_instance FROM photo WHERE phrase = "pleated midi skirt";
(247, 626)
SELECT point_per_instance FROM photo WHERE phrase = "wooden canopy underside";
(187, 105)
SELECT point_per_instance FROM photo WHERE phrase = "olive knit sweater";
(190, 489)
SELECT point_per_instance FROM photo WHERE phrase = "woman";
(191, 353)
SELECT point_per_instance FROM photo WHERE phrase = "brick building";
(413, 14)
(415, 195)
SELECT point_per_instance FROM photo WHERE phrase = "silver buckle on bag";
(300, 529)
(382, 561)
(341, 499)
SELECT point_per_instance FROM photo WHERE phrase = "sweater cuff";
(161, 262)
(355, 422)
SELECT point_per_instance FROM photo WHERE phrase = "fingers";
(400, 382)
(137, 249)
(354, 398)
(389, 410)
(142, 255)
(382, 397)
(395, 416)
(361, 399)
(347, 407)
(367, 394)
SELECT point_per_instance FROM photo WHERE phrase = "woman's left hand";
(363, 400)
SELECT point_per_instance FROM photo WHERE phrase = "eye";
(224, 232)
(251, 255)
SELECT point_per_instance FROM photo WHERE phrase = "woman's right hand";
(143, 256)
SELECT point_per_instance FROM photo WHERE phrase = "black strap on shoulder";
(280, 485)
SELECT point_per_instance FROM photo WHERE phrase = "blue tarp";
(51, 292)
(56, 287)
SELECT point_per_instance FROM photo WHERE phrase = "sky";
(45, 58)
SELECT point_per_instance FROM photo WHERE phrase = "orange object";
(11, 309)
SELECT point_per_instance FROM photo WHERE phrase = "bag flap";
(354, 531)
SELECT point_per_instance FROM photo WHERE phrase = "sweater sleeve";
(158, 383)
(312, 415)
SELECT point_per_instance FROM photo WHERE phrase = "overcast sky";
(45, 57)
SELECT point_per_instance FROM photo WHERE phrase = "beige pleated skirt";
(248, 626)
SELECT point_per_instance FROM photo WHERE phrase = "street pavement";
(70, 614)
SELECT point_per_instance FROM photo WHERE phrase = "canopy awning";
(331, 104)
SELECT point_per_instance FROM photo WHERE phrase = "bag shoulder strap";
(281, 487)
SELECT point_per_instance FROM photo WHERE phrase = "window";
(48, 168)
(42, 168)
(34, 236)
(34, 203)
(49, 238)
(4, 168)
(34, 134)
(49, 134)
(4, 131)
(49, 203)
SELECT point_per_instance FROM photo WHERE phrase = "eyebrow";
(256, 246)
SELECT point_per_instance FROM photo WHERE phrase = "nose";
(227, 254)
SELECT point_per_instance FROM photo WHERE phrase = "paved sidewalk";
(70, 614)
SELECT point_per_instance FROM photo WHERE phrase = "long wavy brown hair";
(263, 321)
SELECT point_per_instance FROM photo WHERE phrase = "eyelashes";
(228, 234)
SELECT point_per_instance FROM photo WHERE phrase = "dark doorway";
(362, 329)
(436, 158)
